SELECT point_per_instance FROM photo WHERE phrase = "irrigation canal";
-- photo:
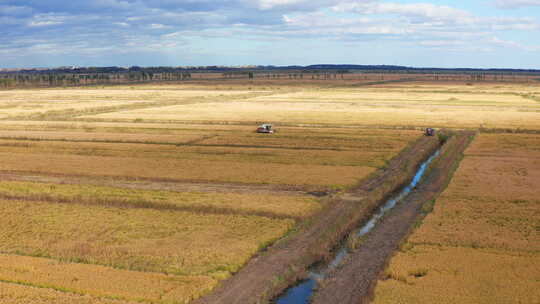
(304, 290)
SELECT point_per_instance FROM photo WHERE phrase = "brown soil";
(354, 281)
(271, 272)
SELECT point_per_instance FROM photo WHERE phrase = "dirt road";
(271, 272)
(355, 280)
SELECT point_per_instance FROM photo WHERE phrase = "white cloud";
(507, 4)
(148, 25)
(268, 4)
(41, 20)
(419, 11)
(122, 24)
(295, 5)
(43, 23)
(158, 26)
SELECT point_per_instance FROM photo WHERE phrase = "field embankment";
(271, 272)
(353, 281)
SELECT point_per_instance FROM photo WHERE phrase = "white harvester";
(266, 128)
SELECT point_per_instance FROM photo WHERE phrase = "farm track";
(355, 279)
(271, 272)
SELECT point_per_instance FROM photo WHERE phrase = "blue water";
(301, 293)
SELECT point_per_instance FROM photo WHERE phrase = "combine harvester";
(266, 128)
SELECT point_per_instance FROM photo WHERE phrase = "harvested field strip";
(319, 141)
(354, 279)
(100, 137)
(481, 243)
(93, 105)
(366, 149)
(284, 263)
(306, 139)
(180, 243)
(20, 293)
(520, 115)
(408, 95)
(295, 207)
(183, 169)
(237, 188)
(99, 282)
(182, 128)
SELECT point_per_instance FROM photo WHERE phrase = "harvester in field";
(266, 128)
(430, 132)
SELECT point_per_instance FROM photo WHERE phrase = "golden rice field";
(166, 241)
(97, 228)
(481, 243)
(21, 294)
(322, 158)
(51, 281)
(83, 194)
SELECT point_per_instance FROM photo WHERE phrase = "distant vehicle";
(430, 132)
(266, 128)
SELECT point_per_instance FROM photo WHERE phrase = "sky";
(438, 33)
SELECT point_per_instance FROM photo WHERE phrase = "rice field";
(89, 210)
(323, 158)
(481, 242)
(180, 242)
(273, 205)
(156, 193)
(42, 280)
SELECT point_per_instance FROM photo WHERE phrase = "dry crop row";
(275, 206)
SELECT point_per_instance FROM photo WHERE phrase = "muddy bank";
(271, 272)
(355, 279)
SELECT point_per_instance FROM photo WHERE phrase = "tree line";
(9, 80)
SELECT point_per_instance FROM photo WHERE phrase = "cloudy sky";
(438, 33)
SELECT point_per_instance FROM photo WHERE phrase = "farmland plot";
(481, 243)
(104, 212)
(85, 195)
(321, 159)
